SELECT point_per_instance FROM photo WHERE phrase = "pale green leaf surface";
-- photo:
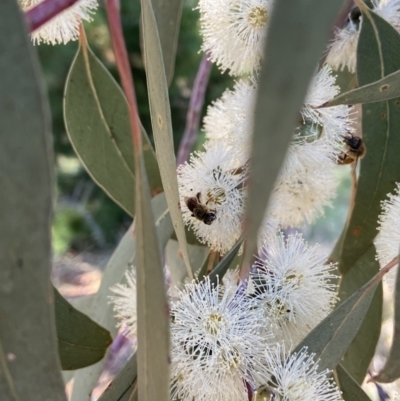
(391, 371)
(29, 364)
(384, 89)
(298, 33)
(152, 305)
(97, 123)
(81, 341)
(332, 337)
(168, 16)
(161, 122)
(351, 390)
(102, 311)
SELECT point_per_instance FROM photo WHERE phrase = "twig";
(194, 111)
(45, 11)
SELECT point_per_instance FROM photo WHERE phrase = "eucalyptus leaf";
(29, 364)
(97, 123)
(351, 390)
(219, 271)
(384, 89)
(168, 15)
(332, 337)
(152, 305)
(102, 311)
(297, 35)
(124, 385)
(391, 371)
(161, 122)
(81, 341)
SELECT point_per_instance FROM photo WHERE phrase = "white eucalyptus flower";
(65, 26)
(387, 242)
(234, 32)
(229, 120)
(124, 302)
(335, 121)
(306, 184)
(388, 10)
(296, 377)
(217, 344)
(293, 282)
(213, 182)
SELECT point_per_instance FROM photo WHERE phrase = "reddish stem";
(45, 11)
(124, 69)
(195, 106)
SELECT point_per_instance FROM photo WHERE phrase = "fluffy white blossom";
(296, 377)
(229, 120)
(306, 184)
(65, 26)
(217, 344)
(293, 281)
(342, 51)
(124, 302)
(211, 180)
(387, 242)
(335, 121)
(234, 32)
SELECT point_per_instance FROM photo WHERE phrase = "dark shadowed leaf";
(29, 364)
(298, 33)
(168, 16)
(351, 390)
(331, 338)
(161, 122)
(97, 123)
(391, 371)
(102, 312)
(81, 341)
(152, 304)
(384, 89)
(222, 267)
(124, 385)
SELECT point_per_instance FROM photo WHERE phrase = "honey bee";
(355, 149)
(199, 210)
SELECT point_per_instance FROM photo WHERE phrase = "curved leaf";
(391, 371)
(384, 89)
(97, 123)
(81, 341)
(29, 365)
(161, 122)
(297, 35)
(351, 391)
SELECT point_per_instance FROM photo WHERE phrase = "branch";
(195, 106)
(45, 11)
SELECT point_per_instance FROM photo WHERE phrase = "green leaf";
(384, 89)
(97, 123)
(219, 272)
(161, 122)
(102, 310)
(351, 390)
(29, 365)
(152, 304)
(361, 351)
(81, 341)
(124, 385)
(297, 35)
(391, 371)
(380, 169)
(332, 337)
(168, 17)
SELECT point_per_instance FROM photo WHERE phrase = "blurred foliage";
(107, 221)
